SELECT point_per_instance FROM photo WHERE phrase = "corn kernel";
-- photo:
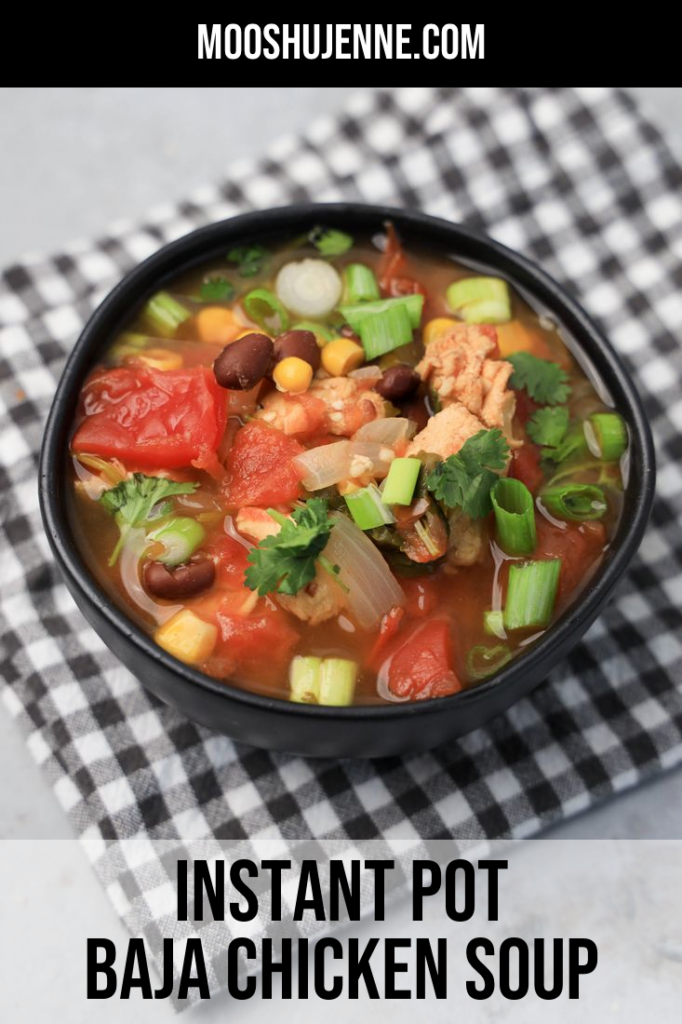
(437, 329)
(217, 325)
(342, 355)
(187, 637)
(160, 358)
(292, 375)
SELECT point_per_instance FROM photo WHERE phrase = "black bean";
(302, 344)
(397, 382)
(244, 363)
(182, 581)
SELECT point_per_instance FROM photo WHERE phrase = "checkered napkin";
(577, 180)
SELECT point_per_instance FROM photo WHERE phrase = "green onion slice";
(401, 481)
(606, 435)
(385, 331)
(514, 516)
(360, 284)
(493, 624)
(368, 508)
(265, 308)
(304, 680)
(575, 501)
(355, 314)
(330, 242)
(480, 300)
(180, 537)
(484, 661)
(321, 331)
(531, 594)
(165, 314)
(329, 681)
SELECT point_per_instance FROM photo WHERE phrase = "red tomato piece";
(421, 667)
(259, 467)
(421, 594)
(154, 418)
(525, 466)
(231, 560)
(577, 545)
(398, 286)
(257, 643)
(390, 624)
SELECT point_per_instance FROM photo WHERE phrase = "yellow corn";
(437, 329)
(187, 637)
(342, 355)
(217, 325)
(293, 375)
(160, 359)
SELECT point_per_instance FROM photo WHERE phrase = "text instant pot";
(341, 42)
(275, 898)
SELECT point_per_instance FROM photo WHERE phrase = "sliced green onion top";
(329, 681)
(360, 284)
(531, 594)
(483, 661)
(165, 314)
(304, 680)
(575, 501)
(493, 623)
(180, 537)
(401, 481)
(514, 516)
(480, 300)
(321, 331)
(368, 509)
(606, 435)
(216, 289)
(355, 314)
(330, 242)
(265, 308)
(385, 331)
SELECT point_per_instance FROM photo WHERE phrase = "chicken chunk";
(446, 432)
(461, 367)
(322, 599)
(338, 405)
(465, 542)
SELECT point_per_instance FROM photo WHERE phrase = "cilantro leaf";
(216, 289)
(139, 499)
(330, 242)
(285, 563)
(544, 381)
(548, 426)
(466, 479)
(572, 444)
(250, 259)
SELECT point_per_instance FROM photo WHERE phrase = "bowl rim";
(168, 261)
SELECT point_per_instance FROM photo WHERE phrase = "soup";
(334, 471)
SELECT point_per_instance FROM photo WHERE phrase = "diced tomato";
(154, 418)
(230, 559)
(259, 643)
(390, 624)
(259, 467)
(422, 595)
(421, 667)
(525, 407)
(393, 281)
(578, 545)
(404, 286)
(525, 466)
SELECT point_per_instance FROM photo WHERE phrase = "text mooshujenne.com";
(341, 42)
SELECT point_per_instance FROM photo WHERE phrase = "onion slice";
(309, 288)
(324, 466)
(387, 431)
(133, 548)
(372, 588)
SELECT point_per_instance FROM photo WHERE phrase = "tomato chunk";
(421, 666)
(525, 466)
(230, 559)
(257, 643)
(154, 418)
(577, 545)
(259, 467)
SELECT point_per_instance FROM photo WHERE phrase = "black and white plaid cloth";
(580, 182)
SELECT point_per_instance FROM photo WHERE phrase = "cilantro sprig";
(140, 499)
(466, 479)
(548, 426)
(329, 241)
(544, 381)
(285, 562)
(250, 259)
(216, 289)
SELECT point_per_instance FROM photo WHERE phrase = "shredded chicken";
(338, 405)
(459, 368)
(446, 432)
(322, 599)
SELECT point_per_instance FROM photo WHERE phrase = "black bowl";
(355, 731)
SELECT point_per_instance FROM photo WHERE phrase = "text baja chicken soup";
(338, 472)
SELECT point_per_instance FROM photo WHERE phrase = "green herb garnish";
(250, 259)
(544, 381)
(217, 289)
(140, 499)
(285, 563)
(548, 426)
(330, 242)
(466, 479)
